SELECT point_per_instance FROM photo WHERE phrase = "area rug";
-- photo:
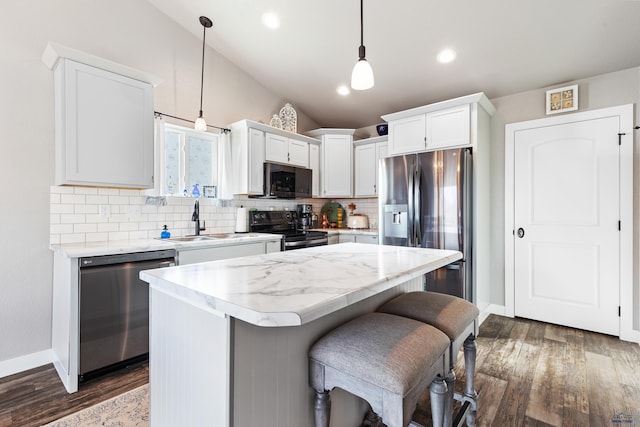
(130, 409)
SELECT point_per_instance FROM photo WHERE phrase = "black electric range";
(287, 224)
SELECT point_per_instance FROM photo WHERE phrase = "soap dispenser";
(164, 234)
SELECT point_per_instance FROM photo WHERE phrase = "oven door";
(307, 242)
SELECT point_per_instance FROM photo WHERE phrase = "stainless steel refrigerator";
(425, 201)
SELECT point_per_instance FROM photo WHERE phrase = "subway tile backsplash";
(86, 214)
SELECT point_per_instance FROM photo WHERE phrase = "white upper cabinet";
(336, 154)
(254, 143)
(407, 135)
(368, 153)
(104, 127)
(298, 153)
(277, 148)
(282, 149)
(247, 158)
(314, 165)
(448, 128)
(437, 126)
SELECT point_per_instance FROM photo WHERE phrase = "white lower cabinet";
(214, 253)
(367, 238)
(334, 239)
(358, 238)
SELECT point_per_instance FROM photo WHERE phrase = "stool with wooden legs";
(384, 359)
(458, 319)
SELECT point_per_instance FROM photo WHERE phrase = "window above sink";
(189, 159)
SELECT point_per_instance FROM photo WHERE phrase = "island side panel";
(270, 369)
(189, 364)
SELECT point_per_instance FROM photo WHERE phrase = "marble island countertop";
(295, 287)
(78, 250)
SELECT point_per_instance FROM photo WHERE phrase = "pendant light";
(200, 123)
(362, 75)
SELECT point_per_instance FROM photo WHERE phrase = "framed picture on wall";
(562, 99)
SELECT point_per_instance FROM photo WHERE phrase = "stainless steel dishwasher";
(114, 309)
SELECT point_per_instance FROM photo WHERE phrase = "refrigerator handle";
(417, 214)
(410, 208)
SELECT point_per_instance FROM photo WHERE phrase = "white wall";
(622, 87)
(132, 33)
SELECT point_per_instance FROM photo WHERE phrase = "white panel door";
(566, 193)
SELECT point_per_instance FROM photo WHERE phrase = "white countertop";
(296, 287)
(79, 250)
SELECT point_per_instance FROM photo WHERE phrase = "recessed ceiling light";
(343, 90)
(446, 55)
(271, 20)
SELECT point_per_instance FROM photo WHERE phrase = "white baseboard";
(24, 363)
(491, 309)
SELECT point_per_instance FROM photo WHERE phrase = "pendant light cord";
(361, 24)
(204, 34)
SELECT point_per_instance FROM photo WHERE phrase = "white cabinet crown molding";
(55, 51)
(479, 98)
(272, 130)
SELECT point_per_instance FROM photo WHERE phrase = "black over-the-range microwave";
(286, 182)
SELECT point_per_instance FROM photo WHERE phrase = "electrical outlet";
(104, 211)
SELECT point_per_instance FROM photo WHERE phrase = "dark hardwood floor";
(37, 396)
(535, 374)
(528, 374)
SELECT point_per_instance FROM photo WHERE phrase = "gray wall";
(608, 90)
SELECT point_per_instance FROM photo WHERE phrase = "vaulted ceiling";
(503, 47)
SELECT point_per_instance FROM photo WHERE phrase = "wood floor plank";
(605, 393)
(576, 398)
(546, 400)
(490, 393)
(512, 409)
(555, 332)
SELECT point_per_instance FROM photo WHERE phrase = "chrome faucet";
(196, 217)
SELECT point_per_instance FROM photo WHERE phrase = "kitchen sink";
(229, 235)
(189, 238)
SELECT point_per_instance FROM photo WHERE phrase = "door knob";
(521, 232)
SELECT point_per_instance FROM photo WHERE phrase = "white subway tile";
(72, 238)
(72, 198)
(119, 235)
(97, 200)
(61, 228)
(107, 227)
(61, 209)
(128, 226)
(118, 200)
(86, 209)
(85, 190)
(72, 219)
(61, 189)
(85, 228)
(54, 198)
(109, 191)
(97, 237)
(54, 218)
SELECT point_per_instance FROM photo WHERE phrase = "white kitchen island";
(229, 339)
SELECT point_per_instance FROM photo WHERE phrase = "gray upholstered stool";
(384, 359)
(458, 319)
